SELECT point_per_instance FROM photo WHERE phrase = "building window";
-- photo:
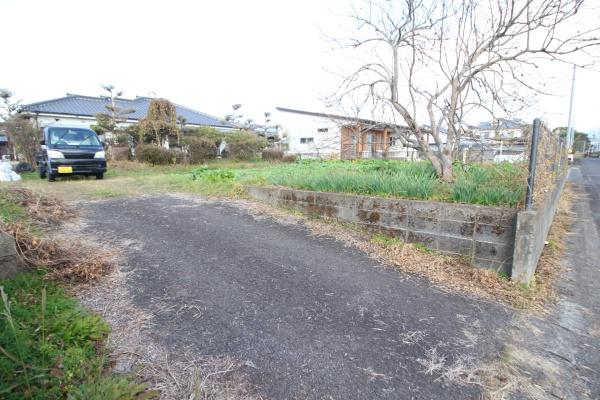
(307, 140)
(323, 130)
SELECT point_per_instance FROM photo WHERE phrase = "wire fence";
(378, 149)
(547, 159)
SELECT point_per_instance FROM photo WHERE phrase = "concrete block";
(322, 210)
(525, 255)
(7, 245)
(455, 245)
(493, 251)
(457, 228)
(287, 194)
(428, 239)
(424, 209)
(392, 232)
(10, 262)
(422, 223)
(397, 221)
(497, 233)
(371, 217)
(306, 197)
(458, 212)
(397, 206)
(335, 199)
(496, 216)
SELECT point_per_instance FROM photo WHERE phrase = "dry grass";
(39, 244)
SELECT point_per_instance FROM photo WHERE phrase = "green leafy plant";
(51, 347)
(386, 241)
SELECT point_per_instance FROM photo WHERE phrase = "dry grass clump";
(73, 259)
(40, 209)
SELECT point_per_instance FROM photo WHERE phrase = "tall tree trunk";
(442, 165)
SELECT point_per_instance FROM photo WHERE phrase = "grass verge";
(52, 348)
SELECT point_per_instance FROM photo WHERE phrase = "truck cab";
(70, 150)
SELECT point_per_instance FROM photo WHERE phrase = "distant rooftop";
(78, 105)
(502, 123)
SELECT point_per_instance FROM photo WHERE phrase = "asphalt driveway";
(310, 317)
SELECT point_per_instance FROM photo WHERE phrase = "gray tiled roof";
(502, 123)
(73, 104)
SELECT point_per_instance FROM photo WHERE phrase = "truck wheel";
(42, 172)
(100, 176)
(51, 177)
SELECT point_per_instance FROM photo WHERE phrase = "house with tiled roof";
(501, 128)
(74, 108)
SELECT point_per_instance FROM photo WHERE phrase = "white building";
(500, 129)
(322, 135)
(309, 134)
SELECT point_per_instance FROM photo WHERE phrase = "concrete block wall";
(483, 234)
(10, 264)
(531, 233)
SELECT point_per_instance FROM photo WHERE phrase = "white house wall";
(44, 120)
(301, 126)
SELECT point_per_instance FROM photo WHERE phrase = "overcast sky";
(205, 55)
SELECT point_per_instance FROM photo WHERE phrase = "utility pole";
(570, 124)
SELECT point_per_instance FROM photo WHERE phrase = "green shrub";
(244, 145)
(207, 132)
(121, 139)
(201, 149)
(272, 155)
(155, 155)
(178, 156)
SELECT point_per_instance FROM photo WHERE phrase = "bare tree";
(115, 114)
(429, 63)
(8, 105)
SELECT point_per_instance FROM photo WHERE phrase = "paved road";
(313, 318)
(590, 185)
(560, 351)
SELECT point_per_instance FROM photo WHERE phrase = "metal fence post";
(535, 137)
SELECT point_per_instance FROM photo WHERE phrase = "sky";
(207, 55)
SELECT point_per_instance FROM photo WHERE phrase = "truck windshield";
(73, 137)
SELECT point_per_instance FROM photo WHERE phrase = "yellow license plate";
(65, 170)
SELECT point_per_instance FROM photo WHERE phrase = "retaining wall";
(483, 234)
(531, 231)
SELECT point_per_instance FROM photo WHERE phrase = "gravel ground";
(304, 317)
